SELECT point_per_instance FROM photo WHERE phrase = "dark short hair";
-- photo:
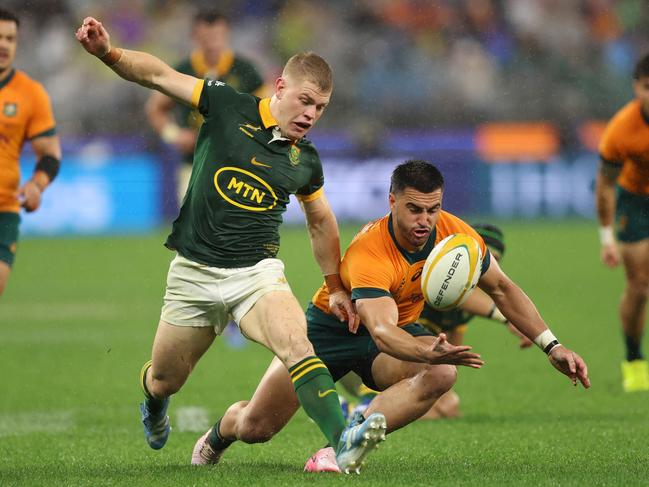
(10, 16)
(210, 16)
(641, 68)
(419, 175)
(493, 237)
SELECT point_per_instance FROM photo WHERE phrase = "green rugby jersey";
(243, 174)
(234, 70)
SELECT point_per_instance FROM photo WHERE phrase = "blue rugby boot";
(358, 439)
(154, 415)
(156, 426)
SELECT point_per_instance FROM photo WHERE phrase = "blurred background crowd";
(397, 63)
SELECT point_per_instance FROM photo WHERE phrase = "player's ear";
(280, 86)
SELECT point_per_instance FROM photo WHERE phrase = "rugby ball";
(451, 271)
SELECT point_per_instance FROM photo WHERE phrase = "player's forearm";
(519, 309)
(398, 343)
(605, 200)
(325, 242)
(141, 68)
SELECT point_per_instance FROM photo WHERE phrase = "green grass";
(78, 319)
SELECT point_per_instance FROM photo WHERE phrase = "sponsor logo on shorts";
(244, 189)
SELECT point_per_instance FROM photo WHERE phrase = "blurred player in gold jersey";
(25, 114)
(622, 193)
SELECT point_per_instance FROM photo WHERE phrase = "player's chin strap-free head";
(493, 237)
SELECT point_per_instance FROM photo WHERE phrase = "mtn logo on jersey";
(244, 189)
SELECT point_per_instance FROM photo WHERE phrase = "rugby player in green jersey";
(176, 123)
(250, 155)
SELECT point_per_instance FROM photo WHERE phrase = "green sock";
(153, 404)
(317, 394)
(215, 440)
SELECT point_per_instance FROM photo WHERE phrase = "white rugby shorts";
(199, 295)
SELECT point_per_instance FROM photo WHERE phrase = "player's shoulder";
(448, 223)
(24, 81)
(243, 62)
(371, 237)
(626, 116)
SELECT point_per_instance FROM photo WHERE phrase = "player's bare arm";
(520, 310)
(325, 242)
(480, 304)
(48, 154)
(605, 202)
(380, 316)
(139, 67)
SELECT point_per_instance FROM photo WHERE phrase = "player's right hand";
(610, 255)
(443, 352)
(94, 37)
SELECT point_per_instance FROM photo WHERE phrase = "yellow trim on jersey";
(221, 68)
(264, 112)
(306, 371)
(196, 94)
(310, 197)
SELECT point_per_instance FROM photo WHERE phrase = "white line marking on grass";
(192, 418)
(36, 422)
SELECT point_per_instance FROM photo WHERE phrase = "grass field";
(78, 319)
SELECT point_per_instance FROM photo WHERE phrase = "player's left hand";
(29, 196)
(569, 363)
(524, 341)
(340, 304)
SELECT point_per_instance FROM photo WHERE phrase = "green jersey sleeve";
(317, 177)
(217, 96)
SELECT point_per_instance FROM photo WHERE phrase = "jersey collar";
(220, 69)
(6, 81)
(269, 121)
(413, 257)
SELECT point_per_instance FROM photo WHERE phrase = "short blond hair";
(310, 67)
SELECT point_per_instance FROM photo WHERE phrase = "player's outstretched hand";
(340, 304)
(610, 255)
(569, 363)
(93, 37)
(29, 196)
(443, 352)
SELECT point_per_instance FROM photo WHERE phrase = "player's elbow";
(379, 335)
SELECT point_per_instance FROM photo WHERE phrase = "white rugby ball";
(451, 271)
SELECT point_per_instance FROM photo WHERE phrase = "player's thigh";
(274, 402)
(635, 257)
(277, 322)
(176, 349)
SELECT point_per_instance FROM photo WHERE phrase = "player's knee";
(162, 385)
(638, 286)
(254, 429)
(436, 380)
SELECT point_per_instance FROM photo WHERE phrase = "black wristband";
(548, 348)
(49, 165)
